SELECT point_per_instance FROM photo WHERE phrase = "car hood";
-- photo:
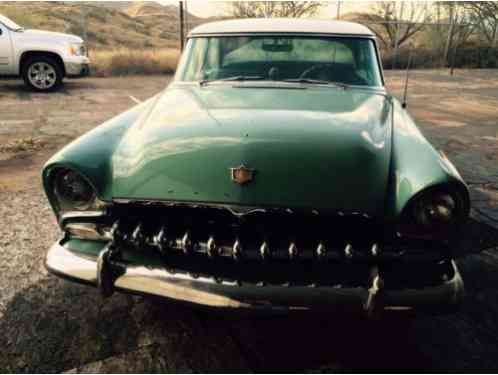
(310, 146)
(50, 36)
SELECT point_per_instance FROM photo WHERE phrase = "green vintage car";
(274, 172)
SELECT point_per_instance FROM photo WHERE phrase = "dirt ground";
(50, 325)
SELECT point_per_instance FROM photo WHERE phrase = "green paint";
(312, 147)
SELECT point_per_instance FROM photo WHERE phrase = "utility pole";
(186, 19)
(180, 8)
(338, 10)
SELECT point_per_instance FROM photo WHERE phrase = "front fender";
(415, 165)
(91, 153)
(60, 49)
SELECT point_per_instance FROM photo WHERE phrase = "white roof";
(282, 25)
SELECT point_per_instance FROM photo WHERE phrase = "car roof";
(282, 25)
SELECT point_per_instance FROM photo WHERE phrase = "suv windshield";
(9, 23)
(352, 61)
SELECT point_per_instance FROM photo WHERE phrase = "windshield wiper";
(316, 82)
(234, 78)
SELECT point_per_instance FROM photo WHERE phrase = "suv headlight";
(77, 49)
(72, 191)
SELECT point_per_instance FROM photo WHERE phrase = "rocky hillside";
(104, 24)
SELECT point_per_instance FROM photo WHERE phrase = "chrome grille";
(269, 235)
(270, 247)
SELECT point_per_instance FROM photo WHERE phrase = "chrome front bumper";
(206, 291)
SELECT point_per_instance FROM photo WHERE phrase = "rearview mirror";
(278, 45)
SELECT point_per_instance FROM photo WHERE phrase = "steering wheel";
(314, 69)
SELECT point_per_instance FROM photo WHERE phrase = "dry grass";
(122, 62)
(22, 144)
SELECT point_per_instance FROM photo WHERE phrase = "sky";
(205, 8)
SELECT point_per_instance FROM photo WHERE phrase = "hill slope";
(104, 24)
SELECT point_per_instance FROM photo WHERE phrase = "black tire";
(48, 61)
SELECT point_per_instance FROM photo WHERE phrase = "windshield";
(352, 61)
(9, 23)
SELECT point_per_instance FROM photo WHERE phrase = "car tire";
(42, 73)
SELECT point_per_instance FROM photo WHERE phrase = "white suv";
(41, 58)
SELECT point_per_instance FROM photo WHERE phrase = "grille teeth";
(375, 250)
(293, 251)
(264, 250)
(161, 241)
(212, 250)
(321, 250)
(237, 250)
(137, 237)
(172, 240)
(186, 243)
(348, 251)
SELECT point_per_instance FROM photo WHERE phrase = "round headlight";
(435, 210)
(73, 191)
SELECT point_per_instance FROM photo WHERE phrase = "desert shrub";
(76, 28)
(97, 15)
(96, 38)
(167, 34)
(134, 62)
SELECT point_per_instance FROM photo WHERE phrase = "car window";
(292, 50)
(337, 59)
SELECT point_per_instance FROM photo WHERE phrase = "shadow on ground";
(17, 86)
(56, 326)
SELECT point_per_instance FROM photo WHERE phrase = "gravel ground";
(50, 325)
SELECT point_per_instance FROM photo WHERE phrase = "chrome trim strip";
(218, 293)
(237, 209)
(83, 216)
(87, 231)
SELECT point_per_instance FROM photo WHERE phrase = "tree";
(485, 15)
(267, 9)
(396, 22)
(460, 28)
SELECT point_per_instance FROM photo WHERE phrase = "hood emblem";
(242, 175)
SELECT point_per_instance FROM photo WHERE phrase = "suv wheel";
(42, 73)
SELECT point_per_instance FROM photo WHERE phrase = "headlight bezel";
(60, 203)
(411, 225)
